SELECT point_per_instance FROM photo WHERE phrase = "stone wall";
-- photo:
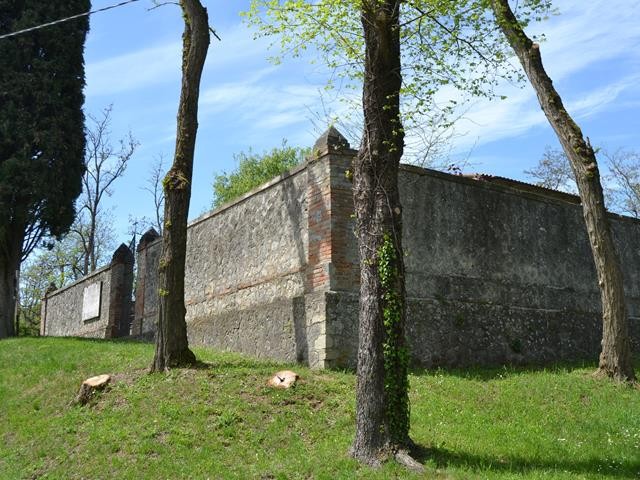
(245, 269)
(497, 271)
(245, 273)
(258, 269)
(146, 292)
(99, 305)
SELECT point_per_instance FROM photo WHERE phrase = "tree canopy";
(450, 50)
(41, 132)
(172, 345)
(255, 169)
(41, 122)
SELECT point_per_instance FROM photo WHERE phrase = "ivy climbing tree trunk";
(172, 348)
(615, 358)
(382, 402)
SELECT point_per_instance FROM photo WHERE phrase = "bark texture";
(10, 257)
(172, 348)
(382, 416)
(615, 358)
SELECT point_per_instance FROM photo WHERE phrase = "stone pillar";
(329, 267)
(43, 308)
(142, 275)
(120, 291)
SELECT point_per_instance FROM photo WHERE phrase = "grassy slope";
(220, 421)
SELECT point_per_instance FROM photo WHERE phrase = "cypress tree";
(41, 131)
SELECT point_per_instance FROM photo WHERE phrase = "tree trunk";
(7, 300)
(382, 407)
(92, 244)
(9, 265)
(615, 358)
(16, 300)
(172, 348)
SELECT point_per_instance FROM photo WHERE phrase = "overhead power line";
(62, 20)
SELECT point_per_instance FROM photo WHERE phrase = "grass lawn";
(221, 421)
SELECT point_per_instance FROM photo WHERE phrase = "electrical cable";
(73, 17)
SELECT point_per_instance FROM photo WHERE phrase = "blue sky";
(132, 59)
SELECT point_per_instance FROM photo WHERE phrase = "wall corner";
(147, 238)
(120, 291)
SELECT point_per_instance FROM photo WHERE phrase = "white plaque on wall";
(91, 301)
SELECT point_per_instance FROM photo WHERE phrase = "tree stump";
(89, 387)
(283, 379)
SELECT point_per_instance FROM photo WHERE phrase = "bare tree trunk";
(89, 260)
(9, 266)
(7, 300)
(16, 300)
(615, 358)
(382, 405)
(172, 348)
(92, 244)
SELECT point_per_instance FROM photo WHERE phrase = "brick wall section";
(318, 224)
(330, 264)
(63, 308)
(345, 274)
(497, 273)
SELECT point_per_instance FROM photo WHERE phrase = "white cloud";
(236, 47)
(585, 35)
(602, 98)
(134, 70)
(261, 103)
(490, 121)
(588, 32)
(158, 64)
(267, 97)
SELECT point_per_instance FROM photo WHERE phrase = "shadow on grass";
(233, 360)
(227, 366)
(444, 458)
(500, 372)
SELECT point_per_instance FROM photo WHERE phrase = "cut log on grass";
(90, 386)
(283, 379)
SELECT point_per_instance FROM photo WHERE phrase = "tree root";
(400, 455)
(404, 458)
(606, 373)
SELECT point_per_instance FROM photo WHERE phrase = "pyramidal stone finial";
(148, 237)
(122, 255)
(330, 141)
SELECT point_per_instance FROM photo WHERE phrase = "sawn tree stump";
(283, 379)
(90, 386)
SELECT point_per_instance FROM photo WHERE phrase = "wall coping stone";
(331, 141)
(509, 186)
(123, 254)
(78, 282)
(490, 182)
(265, 186)
(147, 238)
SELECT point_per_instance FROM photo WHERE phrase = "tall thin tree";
(154, 187)
(382, 400)
(172, 346)
(615, 357)
(105, 164)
